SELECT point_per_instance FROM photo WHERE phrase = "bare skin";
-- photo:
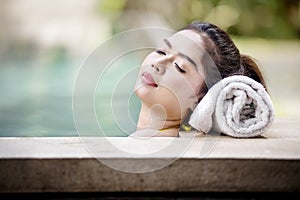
(168, 84)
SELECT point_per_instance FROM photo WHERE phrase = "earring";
(186, 127)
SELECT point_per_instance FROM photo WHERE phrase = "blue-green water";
(37, 101)
(36, 96)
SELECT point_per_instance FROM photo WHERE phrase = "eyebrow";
(181, 54)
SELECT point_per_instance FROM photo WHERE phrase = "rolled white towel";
(237, 106)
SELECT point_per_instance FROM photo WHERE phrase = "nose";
(159, 68)
(160, 65)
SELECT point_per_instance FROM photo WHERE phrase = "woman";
(174, 78)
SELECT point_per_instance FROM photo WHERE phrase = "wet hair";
(224, 53)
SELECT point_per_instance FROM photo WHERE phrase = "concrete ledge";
(88, 175)
(267, 164)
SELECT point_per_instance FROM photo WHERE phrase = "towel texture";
(237, 106)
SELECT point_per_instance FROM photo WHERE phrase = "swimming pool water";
(37, 101)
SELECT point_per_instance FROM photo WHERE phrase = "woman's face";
(172, 76)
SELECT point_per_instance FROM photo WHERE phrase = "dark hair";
(226, 57)
(224, 53)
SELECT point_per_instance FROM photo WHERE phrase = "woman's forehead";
(188, 34)
(187, 43)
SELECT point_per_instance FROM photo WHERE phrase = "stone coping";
(270, 163)
(281, 141)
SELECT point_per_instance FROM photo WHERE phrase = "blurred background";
(44, 43)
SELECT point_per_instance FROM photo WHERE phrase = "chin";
(143, 93)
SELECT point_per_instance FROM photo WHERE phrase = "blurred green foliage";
(251, 18)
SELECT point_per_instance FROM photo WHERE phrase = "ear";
(200, 96)
(197, 99)
(202, 93)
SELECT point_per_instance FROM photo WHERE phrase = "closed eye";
(160, 52)
(179, 68)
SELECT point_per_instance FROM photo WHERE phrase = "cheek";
(176, 92)
(197, 84)
(181, 85)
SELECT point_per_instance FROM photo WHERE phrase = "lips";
(148, 79)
